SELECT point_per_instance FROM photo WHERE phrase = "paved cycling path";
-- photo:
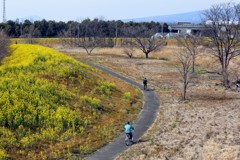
(144, 121)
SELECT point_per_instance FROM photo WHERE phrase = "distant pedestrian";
(145, 83)
(238, 85)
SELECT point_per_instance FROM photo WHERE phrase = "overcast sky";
(64, 10)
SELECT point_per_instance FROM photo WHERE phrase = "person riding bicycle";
(128, 130)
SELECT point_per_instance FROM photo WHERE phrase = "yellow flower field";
(51, 105)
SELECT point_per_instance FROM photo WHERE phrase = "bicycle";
(128, 140)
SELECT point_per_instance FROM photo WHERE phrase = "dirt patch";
(206, 127)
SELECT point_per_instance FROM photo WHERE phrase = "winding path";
(144, 121)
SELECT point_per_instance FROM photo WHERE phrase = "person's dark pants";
(145, 86)
(129, 135)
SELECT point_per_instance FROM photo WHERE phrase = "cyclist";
(128, 130)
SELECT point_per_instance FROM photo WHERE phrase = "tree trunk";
(146, 55)
(225, 77)
(193, 65)
(184, 90)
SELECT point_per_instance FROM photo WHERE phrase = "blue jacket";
(128, 128)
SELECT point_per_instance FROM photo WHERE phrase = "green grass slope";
(52, 106)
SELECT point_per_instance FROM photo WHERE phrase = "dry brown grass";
(206, 127)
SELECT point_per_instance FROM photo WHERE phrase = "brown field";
(205, 127)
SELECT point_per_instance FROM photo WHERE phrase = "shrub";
(106, 88)
(7, 139)
(93, 102)
(127, 96)
(40, 59)
(174, 125)
(3, 154)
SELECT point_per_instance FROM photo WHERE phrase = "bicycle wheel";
(128, 142)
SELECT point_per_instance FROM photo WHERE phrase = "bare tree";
(192, 45)
(129, 47)
(185, 60)
(87, 43)
(129, 51)
(222, 22)
(4, 44)
(148, 45)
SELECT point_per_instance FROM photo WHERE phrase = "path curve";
(144, 121)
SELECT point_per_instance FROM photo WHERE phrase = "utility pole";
(116, 33)
(4, 12)
(162, 28)
(21, 24)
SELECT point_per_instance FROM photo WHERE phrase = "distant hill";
(193, 17)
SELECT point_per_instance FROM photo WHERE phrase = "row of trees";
(84, 28)
(143, 41)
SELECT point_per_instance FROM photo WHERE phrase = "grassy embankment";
(52, 106)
